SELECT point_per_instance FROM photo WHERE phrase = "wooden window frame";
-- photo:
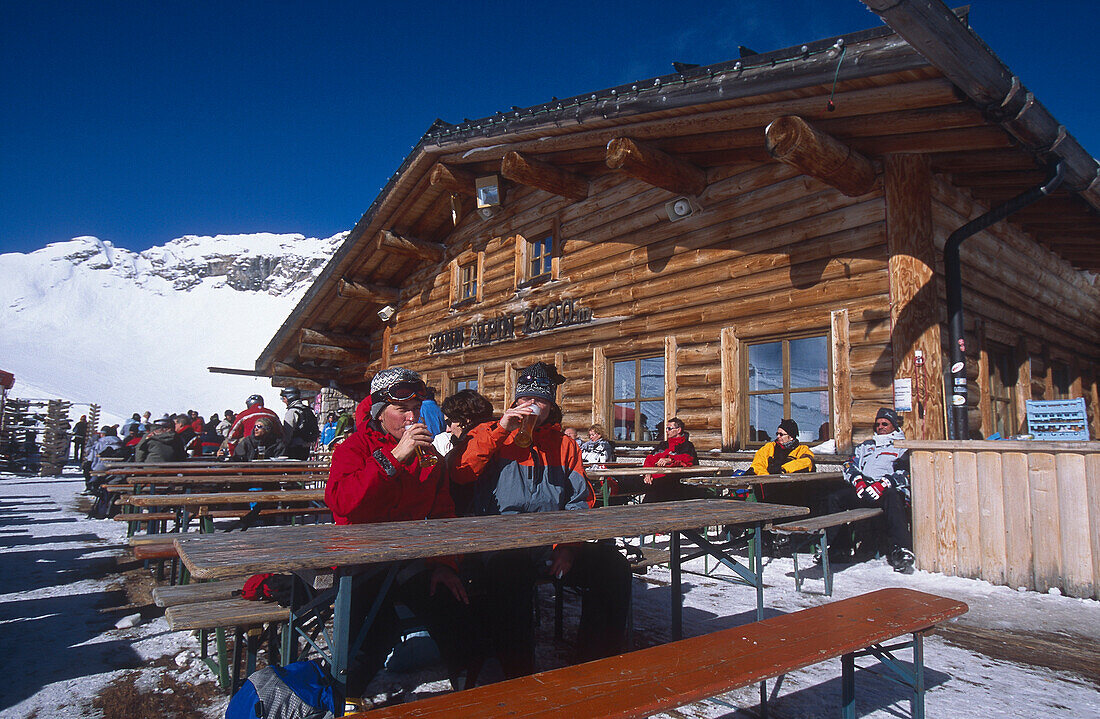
(748, 441)
(1003, 404)
(612, 399)
(525, 241)
(474, 261)
(456, 381)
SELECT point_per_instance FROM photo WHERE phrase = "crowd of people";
(401, 456)
(403, 464)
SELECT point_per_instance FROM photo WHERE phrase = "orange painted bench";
(661, 678)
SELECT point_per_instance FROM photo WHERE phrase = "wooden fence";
(1021, 514)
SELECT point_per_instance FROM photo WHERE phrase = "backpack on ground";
(302, 690)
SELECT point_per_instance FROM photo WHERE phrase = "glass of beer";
(426, 456)
(525, 436)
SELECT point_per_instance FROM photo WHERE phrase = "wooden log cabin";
(733, 244)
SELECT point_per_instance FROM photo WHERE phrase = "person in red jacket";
(379, 475)
(245, 421)
(541, 473)
(676, 451)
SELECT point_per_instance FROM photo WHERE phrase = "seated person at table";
(878, 476)
(160, 444)
(597, 450)
(265, 442)
(675, 451)
(462, 411)
(378, 475)
(786, 455)
(516, 472)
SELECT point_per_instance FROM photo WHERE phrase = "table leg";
(758, 570)
(677, 591)
(340, 631)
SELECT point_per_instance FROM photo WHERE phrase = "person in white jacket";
(877, 476)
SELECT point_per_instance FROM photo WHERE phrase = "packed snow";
(66, 632)
(88, 322)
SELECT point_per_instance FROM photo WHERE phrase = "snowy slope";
(89, 322)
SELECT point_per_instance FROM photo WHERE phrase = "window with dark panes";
(1059, 377)
(788, 378)
(540, 257)
(467, 281)
(1002, 390)
(638, 399)
(464, 383)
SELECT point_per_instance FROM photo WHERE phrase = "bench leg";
(823, 546)
(235, 661)
(797, 576)
(848, 686)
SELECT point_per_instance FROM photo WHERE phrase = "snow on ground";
(60, 599)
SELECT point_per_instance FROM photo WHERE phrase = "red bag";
(255, 587)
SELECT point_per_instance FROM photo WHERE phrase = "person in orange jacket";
(378, 475)
(543, 473)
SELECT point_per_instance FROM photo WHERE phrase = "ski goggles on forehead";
(402, 393)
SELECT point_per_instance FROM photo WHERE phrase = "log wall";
(1019, 514)
(769, 253)
(1023, 297)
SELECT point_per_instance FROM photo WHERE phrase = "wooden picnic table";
(635, 470)
(321, 547)
(208, 499)
(748, 480)
(221, 468)
(203, 480)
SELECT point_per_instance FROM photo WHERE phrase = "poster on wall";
(903, 395)
(1060, 419)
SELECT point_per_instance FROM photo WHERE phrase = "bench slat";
(816, 524)
(660, 678)
(224, 613)
(170, 596)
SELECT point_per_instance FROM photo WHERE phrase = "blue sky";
(139, 122)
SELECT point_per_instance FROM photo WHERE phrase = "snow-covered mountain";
(90, 322)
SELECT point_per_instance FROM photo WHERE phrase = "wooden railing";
(1020, 514)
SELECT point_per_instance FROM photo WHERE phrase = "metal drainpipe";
(957, 425)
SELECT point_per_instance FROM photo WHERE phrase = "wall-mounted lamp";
(386, 313)
(488, 195)
(679, 208)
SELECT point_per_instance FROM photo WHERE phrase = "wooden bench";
(171, 596)
(816, 528)
(217, 615)
(661, 678)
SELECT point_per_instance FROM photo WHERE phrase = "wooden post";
(509, 384)
(1022, 360)
(793, 141)
(985, 407)
(1046, 529)
(600, 399)
(410, 247)
(1018, 527)
(731, 386)
(991, 517)
(535, 173)
(842, 380)
(453, 179)
(914, 302)
(670, 378)
(377, 294)
(655, 167)
(387, 346)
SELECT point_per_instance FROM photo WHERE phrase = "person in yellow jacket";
(785, 455)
